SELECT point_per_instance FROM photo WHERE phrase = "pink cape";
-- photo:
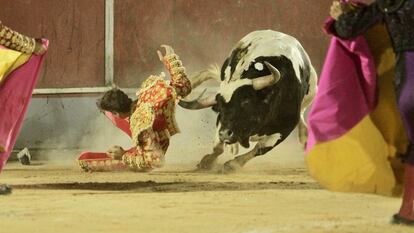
(347, 89)
(122, 124)
(15, 95)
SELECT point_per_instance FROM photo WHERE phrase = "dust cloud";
(98, 136)
(188, 147)
(197, 127)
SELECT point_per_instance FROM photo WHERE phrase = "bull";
(266, 84)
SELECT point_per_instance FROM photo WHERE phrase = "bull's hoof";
(202, 168)
(207, 163)
(5, 189)
(231, 166)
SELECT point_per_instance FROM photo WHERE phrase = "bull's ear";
(215, 108)
(218, 102)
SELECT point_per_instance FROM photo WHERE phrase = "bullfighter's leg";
(405, 91)
(149, 153)
(307, 100)
(5, 189)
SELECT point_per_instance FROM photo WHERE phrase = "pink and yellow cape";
(18, 75)
(355, 131)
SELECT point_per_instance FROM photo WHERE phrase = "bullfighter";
(151, 119)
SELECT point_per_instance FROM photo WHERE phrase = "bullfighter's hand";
(40, 48)
(338, 8)
(169, 51)
(171, 61)
(115, 152)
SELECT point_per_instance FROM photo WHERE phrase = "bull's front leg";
(238, 162)
(264, 144)
(208, 161)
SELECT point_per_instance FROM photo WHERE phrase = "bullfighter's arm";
(356, 22)
(16, 41)
(179, 80)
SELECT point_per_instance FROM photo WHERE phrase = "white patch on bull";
(259, 66)
(313, 88)
(217, 136)
(266, 140)
(307, 100)
(268, 43)
(227, 72)
(227, 89)
(232, 148)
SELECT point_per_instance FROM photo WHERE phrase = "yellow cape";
(365, 158)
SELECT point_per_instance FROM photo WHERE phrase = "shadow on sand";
(152, 186)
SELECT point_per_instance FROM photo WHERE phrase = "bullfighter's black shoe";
(397, 219)
(5, 189)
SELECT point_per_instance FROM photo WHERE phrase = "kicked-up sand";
(260, 198)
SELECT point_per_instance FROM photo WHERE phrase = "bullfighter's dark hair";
(115, 100)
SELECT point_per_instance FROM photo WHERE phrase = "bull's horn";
(199, 103)
(268, 80)
(198, 78)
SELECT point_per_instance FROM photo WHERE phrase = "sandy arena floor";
(60, 198)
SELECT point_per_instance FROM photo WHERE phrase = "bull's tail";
(211, 73)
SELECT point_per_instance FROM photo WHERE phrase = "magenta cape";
(354, 128)
(15, 94)
(122, 124)
(346, 90)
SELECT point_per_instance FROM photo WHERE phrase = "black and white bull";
(267, 83)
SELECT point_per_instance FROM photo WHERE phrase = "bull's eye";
(258, 66)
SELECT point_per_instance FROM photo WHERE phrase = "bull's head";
(244, 95)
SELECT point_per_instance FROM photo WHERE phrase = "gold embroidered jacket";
(16, 41)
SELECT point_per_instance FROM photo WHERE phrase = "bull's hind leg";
(207, 162)
(264, 144)
(307, 100)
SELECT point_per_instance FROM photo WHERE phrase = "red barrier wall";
(202, 32)
(76, 30)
